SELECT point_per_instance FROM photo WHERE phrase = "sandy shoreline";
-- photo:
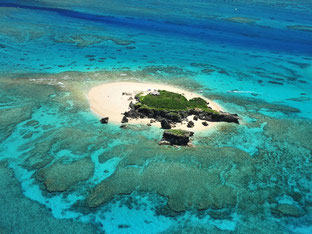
(112, 99)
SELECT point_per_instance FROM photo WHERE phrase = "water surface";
(62, 170)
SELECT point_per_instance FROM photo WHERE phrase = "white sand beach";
(112, 100)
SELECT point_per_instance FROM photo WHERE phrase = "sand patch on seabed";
(113, 99)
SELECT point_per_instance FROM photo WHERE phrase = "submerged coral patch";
(60, 177)
(305, 28)
(177, 180)
(244, 20)
(10, 117)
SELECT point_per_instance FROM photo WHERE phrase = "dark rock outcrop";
(218, 117)
(225, 117)
(165, 124)
(104, 120)
(190, 124)
(131, 105)
(176, 137)
(195, 111)
(230, 118)
(132, 114)
(205, 123)
(124, 120)
(175, 117)
(149, 113)
(169, 118)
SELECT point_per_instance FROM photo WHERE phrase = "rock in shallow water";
(124, 126)
(176, 137)
(104, 120)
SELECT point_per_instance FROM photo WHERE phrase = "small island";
(170, 108)
(158, 105)
(176, 137)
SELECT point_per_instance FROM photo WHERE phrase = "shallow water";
(65, 171)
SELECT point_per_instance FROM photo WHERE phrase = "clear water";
(62, 171)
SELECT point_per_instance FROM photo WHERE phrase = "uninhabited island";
(179, 112)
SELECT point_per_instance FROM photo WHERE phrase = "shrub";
(172, 102)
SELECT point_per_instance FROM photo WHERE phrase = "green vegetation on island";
(169, 101)
(177, 132)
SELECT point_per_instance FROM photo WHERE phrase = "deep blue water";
(215, 31)
(248, 57)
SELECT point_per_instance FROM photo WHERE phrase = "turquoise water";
(62, 171)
